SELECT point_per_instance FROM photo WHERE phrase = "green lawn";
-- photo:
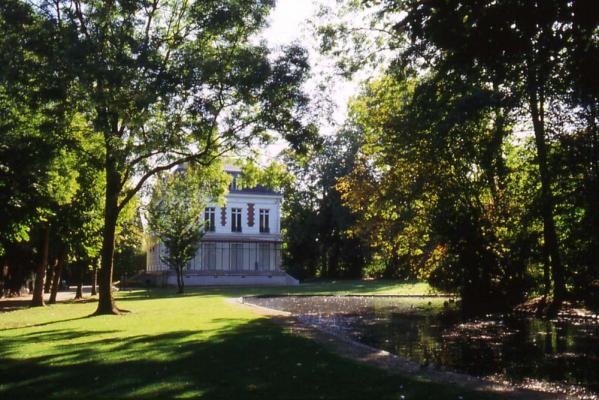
(332, 287)
(195, 345)
(371, 287)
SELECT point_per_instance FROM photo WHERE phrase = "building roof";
(258, 189)
(232, 168)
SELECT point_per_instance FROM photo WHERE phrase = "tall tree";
(35, 177)
(431, 187)
(79, 224)
(59, 191)
(170, 82)
(521, 47)
(313, 214)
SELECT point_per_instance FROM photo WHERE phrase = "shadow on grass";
(80, 301)
(251, 360)
(8, 305)
(46, 323)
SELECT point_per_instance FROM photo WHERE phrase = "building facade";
(241, 245)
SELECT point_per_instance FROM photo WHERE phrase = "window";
(209, 218)
(264, 226)
(209, 256)
(233, 184)
(264, 256)
(236, 220)
(236, 261)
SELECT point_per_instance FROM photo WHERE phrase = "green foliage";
(274, 176)
(528, 52)
(318, 229)
(39, 182)
(356, 35)
(431, 189)
(130, 257)
(37, 171)
(61, 178)
(479, 167)
(164, 83)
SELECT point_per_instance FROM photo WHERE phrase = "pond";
(557, 355)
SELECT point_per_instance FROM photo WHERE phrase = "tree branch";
(190, 157)
(80, 18)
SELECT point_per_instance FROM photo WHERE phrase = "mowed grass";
(340, 287)
(191, 346)
(366, 287)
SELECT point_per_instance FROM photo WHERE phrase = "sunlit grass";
(196, 345)
(329, 287)
(374, 287)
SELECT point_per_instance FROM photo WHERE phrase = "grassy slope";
(181, 346)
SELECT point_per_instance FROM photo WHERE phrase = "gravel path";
(15, 303)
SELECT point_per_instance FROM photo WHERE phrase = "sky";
(287, 20)
(288, 23)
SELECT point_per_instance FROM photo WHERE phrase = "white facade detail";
(228, 254)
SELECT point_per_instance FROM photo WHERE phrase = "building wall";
(247, 256)
(153, 257)
(250, 256)
(234, 200)
(250, 242)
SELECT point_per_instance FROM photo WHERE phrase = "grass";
(372, 287)
(189, 346)
(333, 287)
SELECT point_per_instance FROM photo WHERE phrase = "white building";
(242, 244)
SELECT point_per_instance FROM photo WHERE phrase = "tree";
(176, 211)
(170, 82)
(42, 136)
(130, 257)
(59, 191)
(523, 47)
(435, 188)
(537, 57)
(35, 172)
(79, 225)
(318, 230)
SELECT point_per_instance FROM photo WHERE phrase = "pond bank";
(538, 306)
(353, 349)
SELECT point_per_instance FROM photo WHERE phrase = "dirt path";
(349, 348)
(15, 303)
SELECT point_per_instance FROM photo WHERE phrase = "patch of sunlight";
(171, 389)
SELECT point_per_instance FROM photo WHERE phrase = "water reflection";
(517, 348)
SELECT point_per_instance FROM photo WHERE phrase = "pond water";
(558, 355)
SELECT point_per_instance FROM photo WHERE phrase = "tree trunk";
(56, 278)
(178, 271)
(38, 289)
(593, 191)
(94, 280)
(106, 304)
(79, 293)
(546, 274)
(49, 276)
(549, 232)
(182, 284)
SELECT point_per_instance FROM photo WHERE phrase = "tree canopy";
(163, 82)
